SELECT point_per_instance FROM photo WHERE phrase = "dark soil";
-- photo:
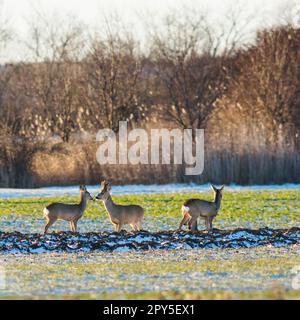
(16, 242)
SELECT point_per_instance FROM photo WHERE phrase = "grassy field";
(251, 209)
(188, 274)
(257, 273)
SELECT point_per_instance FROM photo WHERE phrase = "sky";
(90, 12)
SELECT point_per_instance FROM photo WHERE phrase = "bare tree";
(113, 69)
(191, 66)
(267, 83)
(54, 75)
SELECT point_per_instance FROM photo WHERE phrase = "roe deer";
(192, 209)
(120, 214)
(67, 212)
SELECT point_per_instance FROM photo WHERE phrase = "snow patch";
(132, 189)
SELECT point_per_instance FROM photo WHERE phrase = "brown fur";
(192, 209)
(67, 212)
(120, 214)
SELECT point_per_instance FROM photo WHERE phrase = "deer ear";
(213, 187)
(221, 189)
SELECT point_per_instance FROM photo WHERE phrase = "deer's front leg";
(118, 227)
(75, 225)
(210, 223)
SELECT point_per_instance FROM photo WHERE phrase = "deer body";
(121, 214)
(67, 212)
(193, 209)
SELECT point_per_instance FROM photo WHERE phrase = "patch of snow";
(122, 249)
(7, 193)
(38, 250)
(237, 235)
(140, 239)
(184, 246)
(110, 243)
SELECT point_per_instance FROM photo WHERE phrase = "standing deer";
(67, 212)
(120, 214)
(192, 209)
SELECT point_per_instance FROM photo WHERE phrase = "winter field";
(253, 252)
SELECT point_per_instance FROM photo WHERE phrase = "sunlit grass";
(278, 208)
(260, 273)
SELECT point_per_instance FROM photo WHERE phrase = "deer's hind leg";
(208, 223)
(72, 227)
(138, 226)
(118, 227)
(193, 224)
(49, 224)
(184, 220)
(196, 225)
(134, 226)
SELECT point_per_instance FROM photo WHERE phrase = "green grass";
(275, 294)
(279, 208)
(257, 273)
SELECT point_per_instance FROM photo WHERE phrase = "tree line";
(246, 97)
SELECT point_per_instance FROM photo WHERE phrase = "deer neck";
(109, 205)
(83, 202)
(218, 199)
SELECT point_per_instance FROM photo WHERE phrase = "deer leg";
(138, 226)
(193, 224)
(210, 223)
(207, 223)
(184, 220)
(71, 226)
(48, 225)
(196, 225)
(75, 225)
(133, 226)
(118, 227)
